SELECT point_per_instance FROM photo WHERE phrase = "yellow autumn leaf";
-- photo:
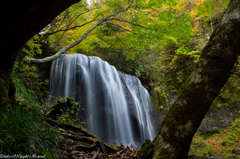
(74, 148)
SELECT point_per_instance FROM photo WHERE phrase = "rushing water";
(118, 109)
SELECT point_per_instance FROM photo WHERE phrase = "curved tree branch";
(119, 27)
(132, 23)
(67, 28)
(77, 26)
(63, 50)
(237, 73)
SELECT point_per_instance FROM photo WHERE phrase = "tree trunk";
(211, 73)
(20, 20)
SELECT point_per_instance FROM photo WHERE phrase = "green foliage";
(66, 118)
(161, 107)
(22, 128)
(222, 143)
(33, 46)
(209, 7)
(66, 110)
(114, 34)
(28, 81)
(158, 41)
(47, 154)
(127, 43)
(230, 94)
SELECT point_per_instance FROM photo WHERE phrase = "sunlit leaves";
(209, 9)
(115, 4)
(120, 34)
(33, 46)
(184, 51)
(176, 29)
(155, 3)
(170, 34)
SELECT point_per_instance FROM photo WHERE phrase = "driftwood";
(82, 144)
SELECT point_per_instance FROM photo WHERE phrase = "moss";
(231, 8)
(64, 107)
(146, 150)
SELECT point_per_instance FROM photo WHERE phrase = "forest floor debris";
(82, 144)
(222, 144)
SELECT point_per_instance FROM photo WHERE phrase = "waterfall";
(118, 109)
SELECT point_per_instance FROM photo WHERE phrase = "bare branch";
(237, 73)
(79, 16)
(130, 6)
(61, 22)
(67, 28)
(73, 27)
(63, 50)
(77, 26)
(132, 23)
(119, 27)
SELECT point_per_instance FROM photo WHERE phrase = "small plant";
(66, 111)
(47, 154)
(231, 136)
(23, 128)
(161, 107)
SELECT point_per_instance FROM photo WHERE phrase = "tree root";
(75, 129)
(81, 143)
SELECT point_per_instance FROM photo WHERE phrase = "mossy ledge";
(146, 150)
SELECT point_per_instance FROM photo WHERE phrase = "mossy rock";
(63, 106)
(146, 150)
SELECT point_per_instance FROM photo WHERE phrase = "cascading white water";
(117, 107)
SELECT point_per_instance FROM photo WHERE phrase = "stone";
(146, 150)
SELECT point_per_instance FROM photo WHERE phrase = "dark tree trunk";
(211, 73)
(20, 20)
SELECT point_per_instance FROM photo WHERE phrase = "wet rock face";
(218, 118)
